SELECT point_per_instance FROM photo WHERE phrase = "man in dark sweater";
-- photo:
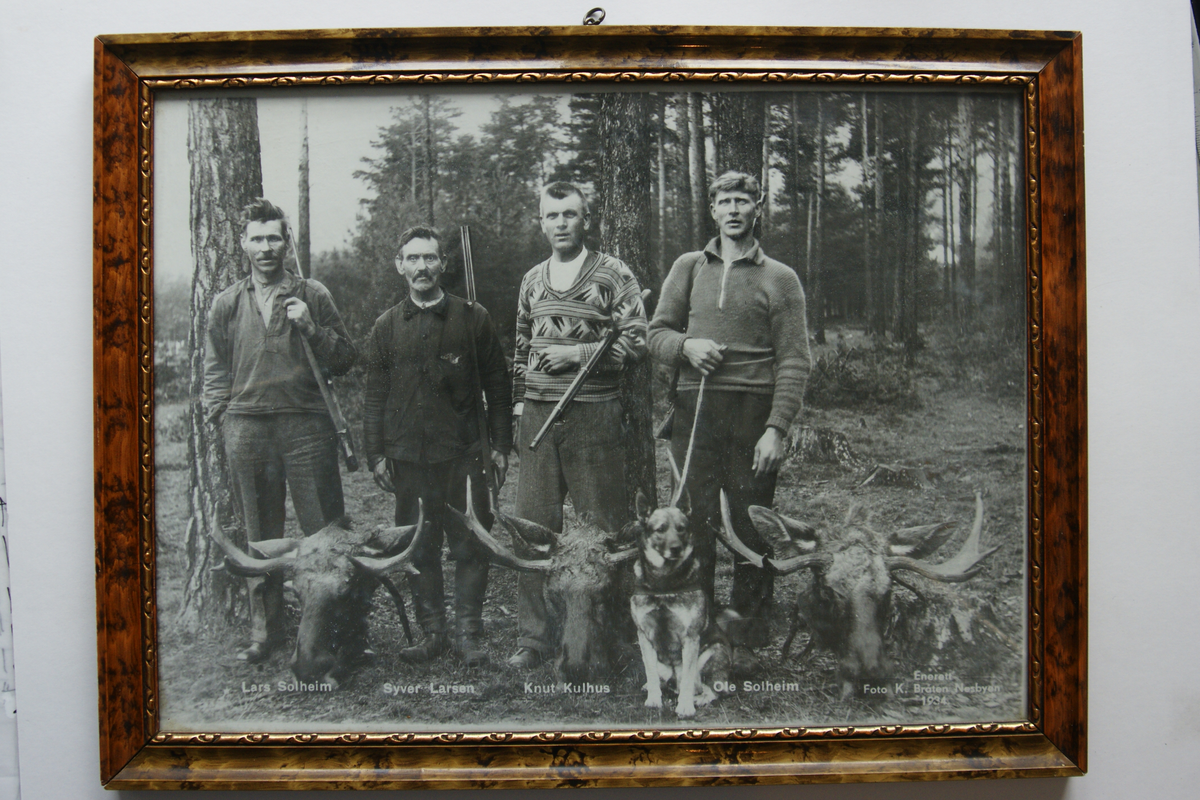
(732, 321)
(422, 438)
(259, 386)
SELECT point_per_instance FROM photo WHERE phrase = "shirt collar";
(713, 249)
(411, 309)
(287, 284)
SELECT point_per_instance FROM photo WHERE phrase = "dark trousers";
(583, 456)
(438, 485)
(269, 456)
(731, 423)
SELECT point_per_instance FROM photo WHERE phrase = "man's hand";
(297, 312)
(769, 452)
(500, 464)
(560, 357)
(383, 478)
(703, 354)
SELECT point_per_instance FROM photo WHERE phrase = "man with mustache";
(422, 437)
(259, 386)
(565, 307)
(732, 319)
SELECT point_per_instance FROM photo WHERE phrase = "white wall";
(1144, 348)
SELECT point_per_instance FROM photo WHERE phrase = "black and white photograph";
(563, 408)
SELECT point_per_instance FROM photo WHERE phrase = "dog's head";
(663, 533)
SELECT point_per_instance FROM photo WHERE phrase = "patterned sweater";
(604, 294)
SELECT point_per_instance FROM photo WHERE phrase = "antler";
(783, 567)
(500, 554)
(622, 555)
(242, 562)
(962, 566)
(403, 559)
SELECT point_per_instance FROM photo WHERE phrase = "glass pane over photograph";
(832, 350)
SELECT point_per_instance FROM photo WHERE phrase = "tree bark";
(738, 122)
(966, 205)
(685, 215)
(876, 286)
(226, 174)
(430, 164)
(303, 237)
(764, 219)
(661, 138)
(867, 216)
(816, 303)
(625, 233)
(800, 244)
(905, 309)
(697, 177)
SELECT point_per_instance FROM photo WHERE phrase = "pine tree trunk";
(430, 164)
(947, 203)
(625, 234)
(800, 241)
(697, 177)
(907, 270)
(866, 216)
(738, 122)
(685, 216)
(1015, 322)
(764, 219)
(663, 263)
(303, 237)
(226, 174)
(816, 304)
(875, 287)
(966, 205)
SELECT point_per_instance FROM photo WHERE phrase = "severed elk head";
(334, 572)
(852, 569)
(581, 569)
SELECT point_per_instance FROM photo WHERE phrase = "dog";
(671, 612)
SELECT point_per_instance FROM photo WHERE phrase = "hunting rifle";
(485, 438)
(587, 369)
(325, 384)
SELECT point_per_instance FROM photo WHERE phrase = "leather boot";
(429, 602)
(266, 611)
(470, 586)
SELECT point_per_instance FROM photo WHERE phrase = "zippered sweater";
(761, 322)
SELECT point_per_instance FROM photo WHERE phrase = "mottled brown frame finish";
(130, 70)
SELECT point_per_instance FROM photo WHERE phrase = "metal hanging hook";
(594, 17)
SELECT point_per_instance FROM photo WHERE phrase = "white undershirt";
(564, 273)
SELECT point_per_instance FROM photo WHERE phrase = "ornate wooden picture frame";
(1039, 72)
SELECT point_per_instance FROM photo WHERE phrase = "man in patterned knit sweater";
(734, 317)
(565, 307)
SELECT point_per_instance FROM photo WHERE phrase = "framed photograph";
(775, 340)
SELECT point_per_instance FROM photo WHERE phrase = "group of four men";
(730, 319)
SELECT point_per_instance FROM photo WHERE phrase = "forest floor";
(960, 430)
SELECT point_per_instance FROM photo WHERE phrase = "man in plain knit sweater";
(733, 317)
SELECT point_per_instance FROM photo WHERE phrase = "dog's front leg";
(650, 663)
(689, 669)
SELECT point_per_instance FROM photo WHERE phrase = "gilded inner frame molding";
(1034, 421)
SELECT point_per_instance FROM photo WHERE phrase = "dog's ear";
(642, 505)
(685, 502)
